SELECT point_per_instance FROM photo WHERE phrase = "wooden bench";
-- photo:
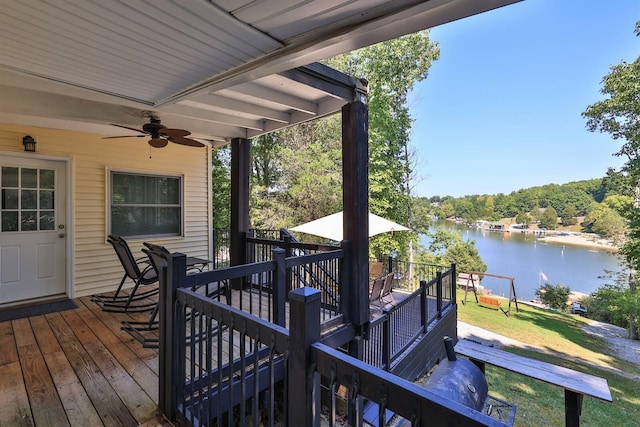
(489, 301)
(575, 384)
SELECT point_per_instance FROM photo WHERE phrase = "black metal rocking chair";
(133, 301)
(140, 329)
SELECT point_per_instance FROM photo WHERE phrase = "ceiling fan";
(160, 134)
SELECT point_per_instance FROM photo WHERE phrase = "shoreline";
(584, 240)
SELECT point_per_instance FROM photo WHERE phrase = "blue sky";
(501, 108)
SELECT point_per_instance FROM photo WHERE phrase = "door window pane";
(28, 220)
(145, 205)
(10, 221)
(46, 199)
(29, 178)
(9, 177)
(9, 199)
(27, 201)
(47, 220)
(47, 179)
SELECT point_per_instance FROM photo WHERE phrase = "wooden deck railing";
(401, 324)
(409, 275)
(221, 363)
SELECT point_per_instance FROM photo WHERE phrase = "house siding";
(95, 267)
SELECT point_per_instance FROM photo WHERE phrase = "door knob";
(61, 235)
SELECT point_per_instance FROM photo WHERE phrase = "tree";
(619, 115)
(221, 187)
(549, 219)
(449, 247)
(606, 222)
(568, 216)
(524, 219)
(555, 296)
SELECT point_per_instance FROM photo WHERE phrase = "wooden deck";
(76, 368)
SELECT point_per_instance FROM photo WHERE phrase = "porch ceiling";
(219, 68)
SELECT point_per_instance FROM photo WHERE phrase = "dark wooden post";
(439, 294)
(345, 290)
(172, 342)
(240, 173)
(573, 408)
(287, 242)
(355, 200)
(386, 341)
(304, 386)
(454, 279)
(279, 287)
(424, 306)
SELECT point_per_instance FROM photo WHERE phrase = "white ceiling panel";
(218, 68)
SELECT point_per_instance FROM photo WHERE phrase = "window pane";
(9, 199)
(28, 220)
(138, 205)
(46, 199)
(47, 220)
(29, 199)
(9, 177)
(47, 179)
(10, 221)
(143, 221)
(29, 178)
(128, 189)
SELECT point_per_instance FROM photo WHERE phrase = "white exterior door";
(33, 229)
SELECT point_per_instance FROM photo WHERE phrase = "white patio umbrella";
(330, 227)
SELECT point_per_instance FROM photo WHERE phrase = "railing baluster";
(439, 294)
(424, 306)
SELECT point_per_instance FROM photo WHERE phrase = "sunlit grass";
(556, 338)
(547, 330)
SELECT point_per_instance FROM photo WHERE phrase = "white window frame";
(110, 173)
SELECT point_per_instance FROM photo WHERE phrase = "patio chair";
(131, 302)
(376, 291)
(157, 260)
(387, 289)
(137, 329)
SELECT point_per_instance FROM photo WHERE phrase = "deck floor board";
(77, 367)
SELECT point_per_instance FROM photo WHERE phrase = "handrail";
(192, 384)
(414, 403)
(414, 312)
(290, 245)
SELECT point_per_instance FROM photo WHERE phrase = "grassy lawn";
(555, 338)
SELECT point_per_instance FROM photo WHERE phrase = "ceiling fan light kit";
(160, 135)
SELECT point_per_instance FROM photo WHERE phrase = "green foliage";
(577, 196)
(568, 216)
(605, 221)
(619, 116)
(549, 219)
(524, 219)
(555, 296)
(297, 172)
(221, 187)
(611, 304)
(449, 247)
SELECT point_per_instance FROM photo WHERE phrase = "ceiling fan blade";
(158, 142)
(175, 133)
(127, 127)
(123, 136)
(187, 141)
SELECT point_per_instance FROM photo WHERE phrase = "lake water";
(524, 257)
